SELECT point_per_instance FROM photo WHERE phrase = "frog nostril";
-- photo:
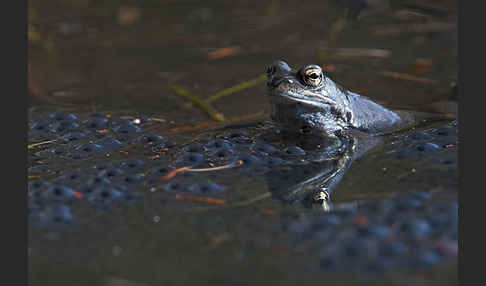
(283, 66)
(270, 70)
(278, 67)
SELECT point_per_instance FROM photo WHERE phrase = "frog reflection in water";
(310, 107)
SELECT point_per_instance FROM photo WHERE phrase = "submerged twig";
(173, 173)
(205, 104)
(419, 28)
(179, 197)
(224, 167)
(253, 200)
(199, 102)
(239, 87)
(235, 205)
(158, 119)
(208, 124)
(328, 53)
(409, 77)
(31, 177)
(30, 146)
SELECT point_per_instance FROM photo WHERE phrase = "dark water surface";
(123, 58)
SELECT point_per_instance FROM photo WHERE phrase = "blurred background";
(94, 55)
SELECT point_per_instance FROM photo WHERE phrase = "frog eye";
(312, 75)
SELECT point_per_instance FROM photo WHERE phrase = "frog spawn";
(407, 232)
(438, 144)
(104, 185)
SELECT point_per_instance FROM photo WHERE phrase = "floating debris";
(352, 52)
(30, 146)
(239, 87)
(409, 77)
(421, 65)
(209, 124)
(224, 52)
(429, 27)
(206, 107)
(128, 16)
(205, 104)
(179, 197)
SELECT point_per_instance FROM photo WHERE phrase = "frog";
(306, 101)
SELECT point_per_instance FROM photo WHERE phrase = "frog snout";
(279, 82)
(277, 72)
(278, 67)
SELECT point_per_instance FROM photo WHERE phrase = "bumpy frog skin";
(308, 102)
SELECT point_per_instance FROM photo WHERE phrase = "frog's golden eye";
(312, 75)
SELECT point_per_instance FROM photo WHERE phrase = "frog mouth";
(285, 90)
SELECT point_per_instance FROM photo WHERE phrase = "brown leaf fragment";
(373, 53)
(408, 77)
(179, 197)
(174, 172)
(128, 16)
(421, 65)
(224, 52)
